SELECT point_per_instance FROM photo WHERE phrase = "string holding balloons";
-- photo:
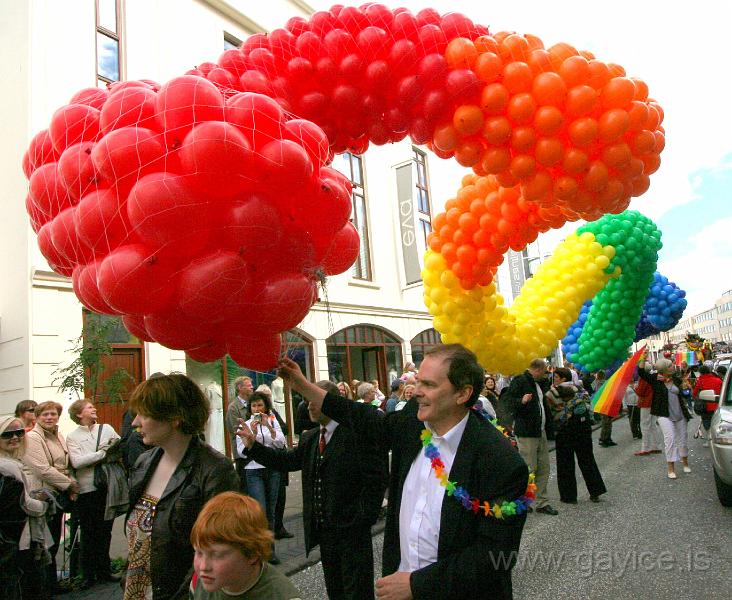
(172, 204)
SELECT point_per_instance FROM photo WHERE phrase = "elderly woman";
(88, 445)
(366, 393)
(169, 485)
(673, 415)
(22, 526)
(46, 460)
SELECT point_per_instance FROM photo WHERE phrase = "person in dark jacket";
(570, 409)
(532, 426)
(343, 483)
(131, 445)
(433, 545)
(673, 414)
(169, 485)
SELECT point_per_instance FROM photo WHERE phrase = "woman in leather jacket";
(169, 485)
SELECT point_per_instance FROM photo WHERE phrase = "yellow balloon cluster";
(504, 338)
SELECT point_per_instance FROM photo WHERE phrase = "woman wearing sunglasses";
(23, 530)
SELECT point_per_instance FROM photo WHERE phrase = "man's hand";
(526, 397)
(246, 434)
(394, 587)
(290, 371)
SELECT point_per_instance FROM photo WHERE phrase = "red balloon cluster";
(365, 74)
(205, 220)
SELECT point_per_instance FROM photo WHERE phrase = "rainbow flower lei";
(498, 510)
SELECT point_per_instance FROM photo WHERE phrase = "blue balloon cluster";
(664, 306)
(570, 343)
(665, 303)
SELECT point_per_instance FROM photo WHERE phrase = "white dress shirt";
(540, 394)
(82, 443)
(329, 429)
(264, 437)
(421, 506)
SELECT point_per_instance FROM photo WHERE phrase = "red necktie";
(321, 445)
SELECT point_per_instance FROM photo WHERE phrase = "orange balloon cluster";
(482, 222)
(576, 136)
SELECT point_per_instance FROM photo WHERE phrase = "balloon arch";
(205, 203)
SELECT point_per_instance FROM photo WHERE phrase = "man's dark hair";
(565, 374)
(704, 370)
(328, 386)
(721, 371)
(463, 369)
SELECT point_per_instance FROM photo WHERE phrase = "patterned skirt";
(138, 584)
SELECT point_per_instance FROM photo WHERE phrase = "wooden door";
(129, 359)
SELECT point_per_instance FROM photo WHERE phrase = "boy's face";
(223, 566)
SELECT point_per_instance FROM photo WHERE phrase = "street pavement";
(651, 538)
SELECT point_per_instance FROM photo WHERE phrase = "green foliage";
(87, 371)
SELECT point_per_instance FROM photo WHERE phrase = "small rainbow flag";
(608, 398)
(688, 357)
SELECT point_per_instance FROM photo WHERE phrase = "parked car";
(721, 442)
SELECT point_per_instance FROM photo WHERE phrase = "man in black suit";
(343, 482)
(433, 546)
(532, 425)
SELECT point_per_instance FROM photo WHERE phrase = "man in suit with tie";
(343, 482)
(433, 546)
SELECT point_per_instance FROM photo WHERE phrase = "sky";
(680, 51)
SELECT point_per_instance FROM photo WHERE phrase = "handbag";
(100, 473)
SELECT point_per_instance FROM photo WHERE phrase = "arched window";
(364, 353)
(422, 342)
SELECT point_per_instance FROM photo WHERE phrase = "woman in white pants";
(671, 411)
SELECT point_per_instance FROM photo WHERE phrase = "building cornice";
(246, 23)
(50, 279)
(227, 10)
(378, 311)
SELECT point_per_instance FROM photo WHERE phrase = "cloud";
(702, 268)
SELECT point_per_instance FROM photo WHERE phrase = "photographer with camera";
(263, 484)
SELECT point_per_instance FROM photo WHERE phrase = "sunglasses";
(7, 435)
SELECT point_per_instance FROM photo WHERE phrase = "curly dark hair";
(262, 397)
(172, 398)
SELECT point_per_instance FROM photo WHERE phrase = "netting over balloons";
(205, 207)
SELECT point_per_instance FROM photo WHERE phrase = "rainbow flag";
(609, 397)
(689, 358)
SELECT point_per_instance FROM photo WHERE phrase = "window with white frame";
(424, 201)
(231, 42)
(351, 165)
(109, 42)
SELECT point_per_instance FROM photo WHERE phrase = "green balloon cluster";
(610, 326)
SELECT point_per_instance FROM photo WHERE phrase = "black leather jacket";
(202, 473)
